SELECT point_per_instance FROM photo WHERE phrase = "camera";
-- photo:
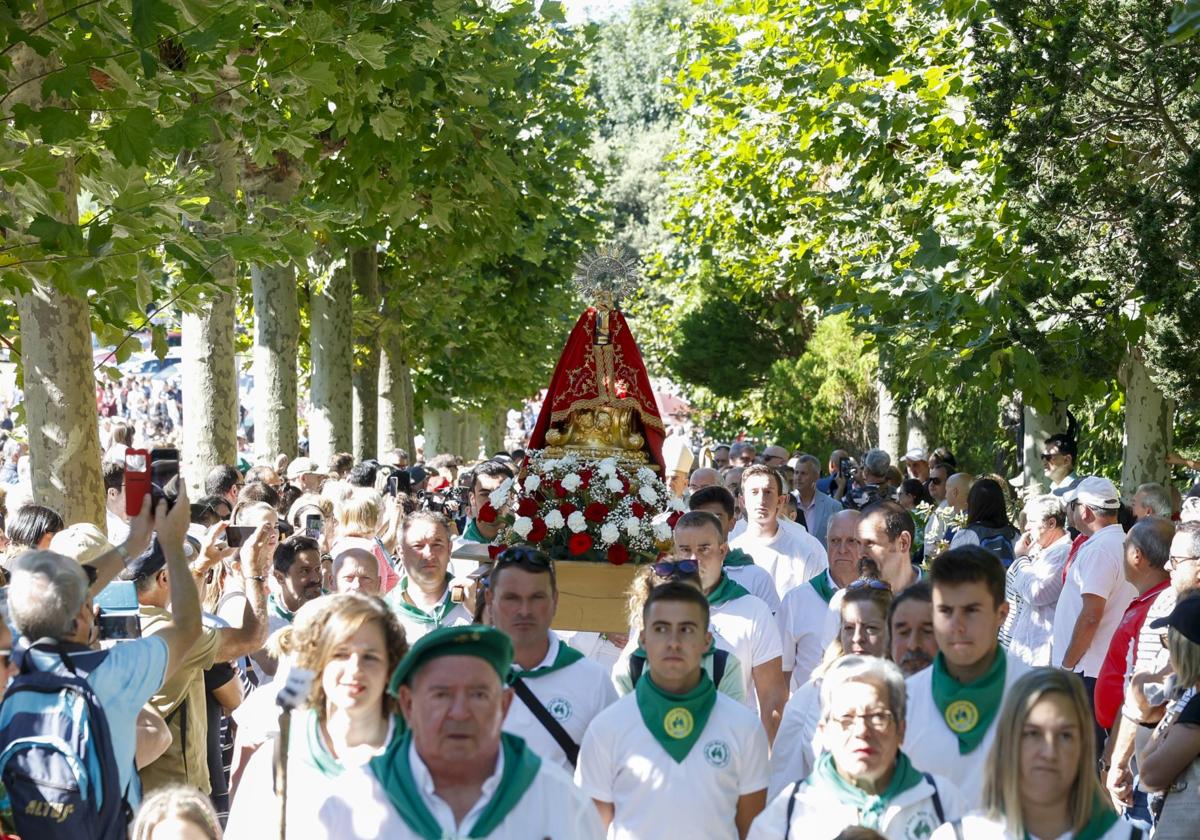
(446, 502)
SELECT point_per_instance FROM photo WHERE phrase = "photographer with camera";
(866, 487)
(485, 478)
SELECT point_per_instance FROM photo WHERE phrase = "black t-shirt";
(1191, 712)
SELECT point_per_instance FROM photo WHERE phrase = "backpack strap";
(791, 809)
(560, 735)
(182, 712)
(720, 660)
(636, 665)
(937, 799)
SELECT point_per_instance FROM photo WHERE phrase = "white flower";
(662, 531)
(576, 522)
(499, 496)
(614, 485)
(554, 520)
(608, 467)
(646, 475)
(523, 526)
(571, 482)
(632, 525)
(609, 533)
(647, 494)
(676, 503)
(532, 483)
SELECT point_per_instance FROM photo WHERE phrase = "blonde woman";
(351, 643)
(358, 517)
(1041, 779)
(176, 812)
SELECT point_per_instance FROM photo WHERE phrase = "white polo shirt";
(792, 557)
(746, 628)
(933, 747)
(806, 626)
(980, 827)
(1098, 569)
(757, 581)
(656, 797)
(794, 753)
(574, 695)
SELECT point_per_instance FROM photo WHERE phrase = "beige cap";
(677, 455)
(82, 541)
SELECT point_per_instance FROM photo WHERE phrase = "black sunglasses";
(525, 556)
(676, 568)
(868, 583)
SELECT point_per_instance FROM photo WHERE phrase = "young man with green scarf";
(422, 599)
(741, 622)
(558, 690)
(455, 774)
(675, 758)
(739, 566)
(862, 778)
(953, 705)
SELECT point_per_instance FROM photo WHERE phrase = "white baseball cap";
(1095, 492)
(915, 454)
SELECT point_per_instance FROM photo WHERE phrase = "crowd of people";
(328, 650)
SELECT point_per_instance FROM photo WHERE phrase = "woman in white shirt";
(351, 643)
(1041, 776)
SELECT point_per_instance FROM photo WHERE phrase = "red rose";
(559, 491)
(566, 509)
(579, 544)
(487, 513)
(526, 506)
(494, 551)
(595, 512)
(585, 476)
(674, 518)
(617, 554)
(638, 509)
(538, 532)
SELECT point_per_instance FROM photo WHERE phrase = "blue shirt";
(124, 682)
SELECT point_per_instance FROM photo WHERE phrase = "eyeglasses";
(869, 583)
(676, 568)
(1175, 562)
(876, 721)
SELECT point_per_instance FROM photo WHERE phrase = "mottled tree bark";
(1038, 427)
(1149, 421)
(276, 342)
(365, 263)
(330, 414)
(891, 423)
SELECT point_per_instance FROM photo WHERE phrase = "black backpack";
(57, 762)
(998, 541)
(637, 664)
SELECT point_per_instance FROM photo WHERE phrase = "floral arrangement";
(573, 508)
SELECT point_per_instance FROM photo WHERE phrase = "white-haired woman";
(1035, 580)
(862, 778)
(1041, 779)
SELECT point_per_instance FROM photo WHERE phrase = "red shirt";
(1122, 651)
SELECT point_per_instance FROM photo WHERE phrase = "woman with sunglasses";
(722, 667)
(863, 631)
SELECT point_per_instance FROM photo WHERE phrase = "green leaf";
(131, 136)
(552, 10)
(368, 48)
(318, 75)
(146, 19)
(54, 235)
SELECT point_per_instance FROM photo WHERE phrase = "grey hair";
(877, 461)
(853, 668)
(1045, 506)
(811, 460)
(1187, 538)
(1152, 536)
(46, 594)
(1158, 499)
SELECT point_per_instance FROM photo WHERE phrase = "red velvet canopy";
(590, 375)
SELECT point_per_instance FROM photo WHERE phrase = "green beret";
(488, 643)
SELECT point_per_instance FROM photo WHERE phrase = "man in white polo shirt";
(741, 622)
(738, 564)
(422, 599)
(1095, 593)
(808, 617)
(790, 554)
(675, 758)
(558, 690)
(953, 705)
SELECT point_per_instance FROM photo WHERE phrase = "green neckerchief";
(736, 557)
(279, 610)
(726, 591)
(968, 709)
(398, 602)
(675, 720)
(566, 655)
(471, 533)
(823, 587)
(394, 772)
(870, 807)
(1103, 818)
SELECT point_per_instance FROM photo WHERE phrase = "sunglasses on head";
(675, 568)
(525, 556)
(868, 583)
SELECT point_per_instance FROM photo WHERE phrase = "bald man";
(775, 456)
(356, 570)
(958, 486)
(704, 477)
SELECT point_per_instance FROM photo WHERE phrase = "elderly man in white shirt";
(1035, 579)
